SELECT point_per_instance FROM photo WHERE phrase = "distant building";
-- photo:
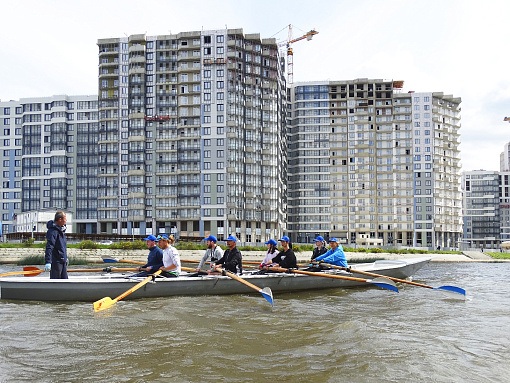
(49, 158)
(366, 161)
(192, 135)
(36, 221)
(481, 200)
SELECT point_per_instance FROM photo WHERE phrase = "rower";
(334, 256)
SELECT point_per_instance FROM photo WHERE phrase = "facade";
(49, 158)
(482, 220)
(366, 161)
(504, 204)
(192, 135)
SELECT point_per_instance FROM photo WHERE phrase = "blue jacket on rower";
(335, 255)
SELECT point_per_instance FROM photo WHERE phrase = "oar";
(107, 259)
(30, 272)
(108, 302)
(453, 289)
(266, 291)
(383, 282)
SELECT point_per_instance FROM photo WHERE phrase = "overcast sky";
(458, 47)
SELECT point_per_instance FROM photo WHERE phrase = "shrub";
(88, 244)
(31, 260)
(29, 242)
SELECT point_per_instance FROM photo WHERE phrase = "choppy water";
(357, 335)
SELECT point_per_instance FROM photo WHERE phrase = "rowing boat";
(91, 288)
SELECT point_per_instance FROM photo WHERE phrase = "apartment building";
(366, 161)
(192, 135)
(481, 200)
(49, 158)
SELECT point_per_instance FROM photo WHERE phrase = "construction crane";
(290, 54)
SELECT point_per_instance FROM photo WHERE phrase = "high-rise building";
(49, 158)
(481, 200)
(192, 135)
(366, 161)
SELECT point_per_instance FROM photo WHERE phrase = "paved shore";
(95, 256)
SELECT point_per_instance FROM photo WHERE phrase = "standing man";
(232, 259)
(213, 252)
(55, 256)
(154, 259)
(334, 256)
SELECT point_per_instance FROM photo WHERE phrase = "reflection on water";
(357, 335)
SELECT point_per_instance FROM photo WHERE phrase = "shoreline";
(8, 256)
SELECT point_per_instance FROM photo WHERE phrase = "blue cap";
(271, 242)
(162, 236)
(284, 239)
(211, 238)
(333, 240)
(319, 238)
(231, 238)
(150, 238)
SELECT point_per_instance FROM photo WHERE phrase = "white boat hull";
(90, 289)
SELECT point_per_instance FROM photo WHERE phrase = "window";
(220, 153)
(219, 165)
(207, 154)
(220, 188)
(220, 39)
(207, 165)
(220, 130)
(207, 142)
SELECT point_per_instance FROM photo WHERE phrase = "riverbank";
(13, 256)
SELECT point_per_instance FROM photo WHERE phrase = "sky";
(458, 47)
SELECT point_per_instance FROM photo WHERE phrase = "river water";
(355, 335)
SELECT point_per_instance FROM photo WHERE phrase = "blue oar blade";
(453, 289)
(108, 259)
(268, 294)
(384, 283)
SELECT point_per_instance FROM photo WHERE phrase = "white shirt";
(171, 257)
(269, 257)
(214, 254)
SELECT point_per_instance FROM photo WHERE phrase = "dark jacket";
(232, 261)
(317, 252)
(154, 259)
(56, 244)
(286, 259)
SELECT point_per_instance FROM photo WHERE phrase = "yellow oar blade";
(107, 302)
(103, 304)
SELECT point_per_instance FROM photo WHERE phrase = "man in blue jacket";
(55, 256)
(334, 256)
(154, 259)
